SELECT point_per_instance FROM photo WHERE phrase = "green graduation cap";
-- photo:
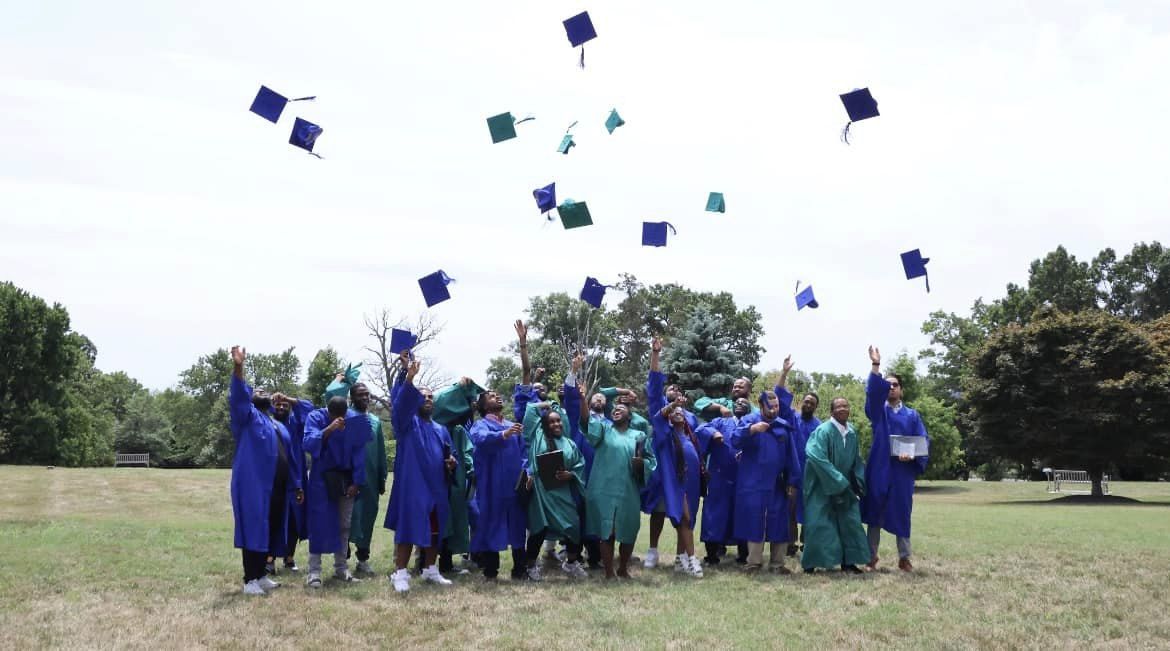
(341, 387)
(715, 202)
(613, 121)
(502, 127)
(574, 214)
(566, 144)
(454, 403)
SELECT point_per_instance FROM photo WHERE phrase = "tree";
(702, 357)
(1137, 287)
(1084, 390)
(144, 428)
(502, 374)
(380, 327)
(325, 366)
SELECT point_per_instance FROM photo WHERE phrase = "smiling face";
(678, 416)
(809, 405)
(552, 424)
(490, 403)
(621, 413)
(769, 405)
(741, 407)
(840, 410)
(428, 405)
(672, 392)
(741, 388)
(281, 409)
(597, 403)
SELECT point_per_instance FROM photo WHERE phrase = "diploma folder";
(547, 465)
(915, 446)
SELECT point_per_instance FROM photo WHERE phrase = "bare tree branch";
(426, 330)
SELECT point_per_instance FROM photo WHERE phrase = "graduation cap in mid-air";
(593, 292)
(613, 121)
(269, 104)
(654, 233)
(715, 202)
(805, 298)
(574, 214)
(503, 126)
(567, 141)
(580, 29)
(915, 266)
(304, 135)
(401, 340)
(546, 197)
(860, 105)
(434, 287)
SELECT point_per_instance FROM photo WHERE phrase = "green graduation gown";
(833, 535)
(613, 505)
(365, 507)
(458, 525)
(555, 509)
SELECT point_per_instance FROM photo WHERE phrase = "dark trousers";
(293, 538)
(253, 565)
(592, 545)
(277, 506)
(490, 562)
(363, 553)
(446, 563)
(536, 539)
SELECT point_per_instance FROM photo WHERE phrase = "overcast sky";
(138, 190)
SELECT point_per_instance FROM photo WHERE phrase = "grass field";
(143, 558)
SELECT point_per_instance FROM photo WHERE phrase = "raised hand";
(656, 345)
(464, 381)
(239, 354)
(521, 331)
(404, 359)
(875, 356)
(538, 373)
(412, 370)
(578, 362)
(787, 365)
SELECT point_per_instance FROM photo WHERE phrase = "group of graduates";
(569, 468)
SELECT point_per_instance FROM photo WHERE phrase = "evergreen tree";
(702, 357)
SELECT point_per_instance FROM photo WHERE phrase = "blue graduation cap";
(269, 104)
(546, 197)
(593, 292)
(715, 202)
(860, 105)
(915, 266)
(434, 287)
(805, 298)
(304, 135)
(654, 233)
(401, 340)
(579, 29)
(613, 121)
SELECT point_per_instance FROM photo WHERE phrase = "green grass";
(143, 558)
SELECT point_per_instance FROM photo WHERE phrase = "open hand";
(875, 355)
(521, 331)
(787, 364)
(656, 345)
(239, 354)
(564, 475)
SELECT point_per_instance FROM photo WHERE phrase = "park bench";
(1057, 479)
(142, 459)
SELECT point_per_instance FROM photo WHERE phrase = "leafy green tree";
(325, 366)
(1137, 286)
(144, 428)
(702, 357)
(502, 375)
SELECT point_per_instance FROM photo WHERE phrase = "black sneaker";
(852, 569)
(291, 566)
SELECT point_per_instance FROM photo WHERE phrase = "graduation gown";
(365, 507)
(298, 465)
(420, 483)
(637, 421)
(458, 518)
(722, 466)
(833, 534)
(612, 497)
(501, 519)
(345, 451)
(253, 468)
(890, 497)
(555, 509)
(802, 429)
(767, 467)
(659, 485)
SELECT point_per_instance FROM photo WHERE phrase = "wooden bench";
(131, 459)
(1058, 478)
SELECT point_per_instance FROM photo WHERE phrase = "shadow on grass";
(1087, 500)
(939, 490)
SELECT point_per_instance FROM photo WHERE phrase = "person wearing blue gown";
(292, 413)
(675, 494)
(500, 459)
(769, 472)
(889, 498)
(721, 464)
(260, 475)
(417, 511)
(803, 425)
(335, 439)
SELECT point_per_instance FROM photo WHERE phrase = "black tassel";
(845, 133)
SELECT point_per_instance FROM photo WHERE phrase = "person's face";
(678, 416)
(769, 406)
(840, 410)
(261, 399)
(281, 408)
(741, 407)
(428, 406)
(621, 413)
(740, 388)
(492, 402)
(360, 398)
(673, 392)
(555, 426)
(541, 390)
(895, 389)
(808, 406)
(597, 403)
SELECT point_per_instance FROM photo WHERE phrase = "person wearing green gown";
(552, 510)
(365, 507)
(629, 398)
(834, 483)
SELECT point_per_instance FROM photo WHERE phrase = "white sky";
(137, 190)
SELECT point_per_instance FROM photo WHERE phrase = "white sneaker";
(267, 583)
(431, 575)
(363, 567)
(534, 573)
(651, 559)
(400, 580)
(574, 569)
(345, 575)
(696, 567)
(253, 588)
(682, 563)
(313, 581)
(562, 556)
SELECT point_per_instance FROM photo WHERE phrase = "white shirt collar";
(843, 429)
(898, 407)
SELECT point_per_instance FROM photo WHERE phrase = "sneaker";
(432, 575)
(363, 567)
(574, 569)
(270, 568)
(313, 581)
(534, 573)
(291, 566)
(651, 559)
(682, 563)
(267, 583)
(345, 575)
(253, 588)
(400, 580)
(696, 567)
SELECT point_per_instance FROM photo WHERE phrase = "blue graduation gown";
(767, 466)
(298, 467)
(889, 495)
(253, 468)
(420, 481)
(501, 519)
(802, 429)
(279, 547)
(345, 450)
(522, 395)
(654, 491)
(722, 467)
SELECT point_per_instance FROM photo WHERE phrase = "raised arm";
(877, 390)
(656, 382)
(783, 394)
(239, 393)
(525, 367)
(572, 411)
(407, 401)
(314, 441)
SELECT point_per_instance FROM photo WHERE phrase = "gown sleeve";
(818, 463)
(240, 404)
